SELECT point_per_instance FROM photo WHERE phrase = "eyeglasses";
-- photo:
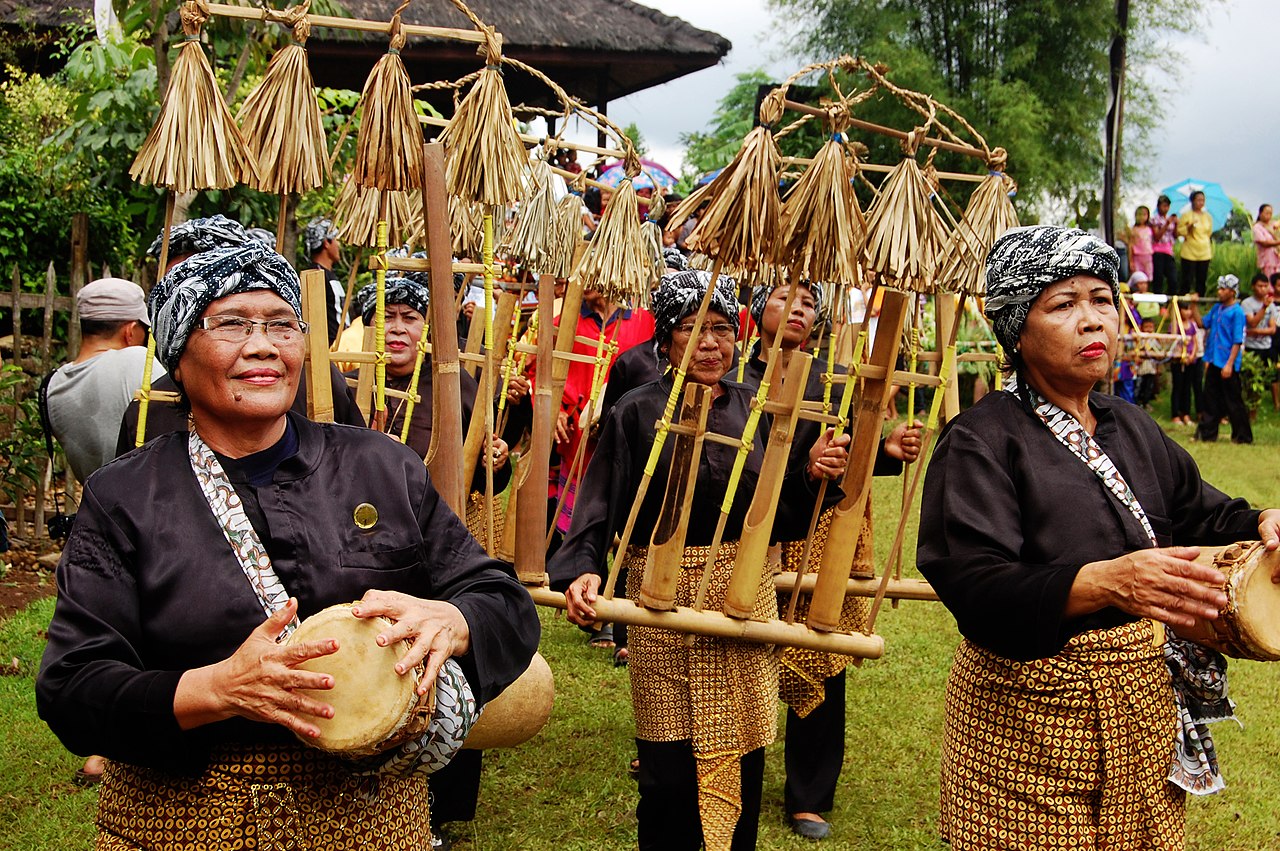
(238, 329)
(720, 330)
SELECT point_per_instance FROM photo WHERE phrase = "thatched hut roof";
(598, 50)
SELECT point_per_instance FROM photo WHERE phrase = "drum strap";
(236, 528)
(1199, 674)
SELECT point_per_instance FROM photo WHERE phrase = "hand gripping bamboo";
(837, 561)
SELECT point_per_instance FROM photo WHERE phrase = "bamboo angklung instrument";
(846, 521)
(446, 392)
(666, 547)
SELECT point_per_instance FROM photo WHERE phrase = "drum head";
(1258, 607)
(370, 700)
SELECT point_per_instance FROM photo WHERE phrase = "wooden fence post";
(79, 277)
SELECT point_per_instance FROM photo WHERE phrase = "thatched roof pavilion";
(598, 50)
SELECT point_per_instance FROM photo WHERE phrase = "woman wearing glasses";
(193, 555)
(704, 711)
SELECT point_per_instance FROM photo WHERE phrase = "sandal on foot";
(603, 637)
(85, 780)
(633, 768)
(620, 657)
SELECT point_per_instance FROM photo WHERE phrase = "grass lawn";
(568, 788)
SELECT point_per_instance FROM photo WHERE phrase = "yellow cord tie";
(380, 321)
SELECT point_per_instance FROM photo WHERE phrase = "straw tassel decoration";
(531, 241)
(359, 208)
(987, 216)
(615, 262)
(740, 224)
(195, 143)
(466, 224)
(281, 117)
(822, 230)
(389, 144)
(487, 161)
(903, 241)
(566, 236)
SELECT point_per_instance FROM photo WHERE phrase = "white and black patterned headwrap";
(263, 235)
(318, 230)
(679, 295)
(674, 258)
(1025, 261)
(408, 289)
(180, 298)
(196, 235)
(761, 292)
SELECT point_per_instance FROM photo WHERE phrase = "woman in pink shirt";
(1164, 232)
(1139, 238)
(1264, 240)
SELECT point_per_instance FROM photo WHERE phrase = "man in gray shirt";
(88, 396)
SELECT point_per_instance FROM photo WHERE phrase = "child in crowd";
(1185, 370)
(1146, 367)
(1164, 232)
(1140, 239)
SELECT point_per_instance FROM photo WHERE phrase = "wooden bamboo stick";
(896, 589)
(249, 13)
(942, 144)
(319, 387)
(715, 624)
(531, 555)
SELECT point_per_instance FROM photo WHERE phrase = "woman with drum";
(1060, 526)
(159, 655)
(704, 707)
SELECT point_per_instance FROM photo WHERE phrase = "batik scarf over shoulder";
(1199, 674)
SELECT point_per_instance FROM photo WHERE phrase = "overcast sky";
(1222, 125)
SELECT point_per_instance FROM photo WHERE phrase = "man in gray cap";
(88, 396)
(320, 241)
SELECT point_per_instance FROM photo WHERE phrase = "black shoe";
(809, 829)
(440, 841)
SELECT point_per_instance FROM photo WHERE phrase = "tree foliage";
(1030, 75)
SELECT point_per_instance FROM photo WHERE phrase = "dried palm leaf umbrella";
(281, 119)
(738, 228)
(194, 144)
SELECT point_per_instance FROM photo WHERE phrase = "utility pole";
(1114, 123)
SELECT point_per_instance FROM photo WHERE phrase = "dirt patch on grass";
(29, 575)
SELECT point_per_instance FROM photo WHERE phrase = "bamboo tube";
(530, 556)
(248, 13)
(757, 528)
(195, 143)
(896, 589)
(380, 324)
(718, 625)
(837, 561)
(446, 393)
(478, 430)
(319, 386)
(666, 548)
(140, 435)
(490, 364)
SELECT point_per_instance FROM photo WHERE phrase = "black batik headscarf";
(1025, 261)
(679, 295)
(409, 289)
(318, 232)
(180, 298)
(674, 258)
(196, 235)
(761, 292)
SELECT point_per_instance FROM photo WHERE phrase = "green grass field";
(568, 788)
